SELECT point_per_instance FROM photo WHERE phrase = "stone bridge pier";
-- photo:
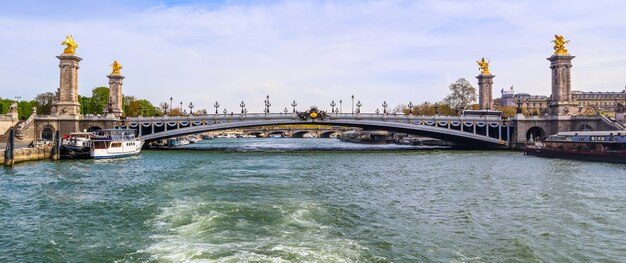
(295, 133)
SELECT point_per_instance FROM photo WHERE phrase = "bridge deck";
(462, 130)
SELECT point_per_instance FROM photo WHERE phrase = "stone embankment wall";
(29, 154)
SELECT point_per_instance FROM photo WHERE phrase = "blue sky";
(309, 51)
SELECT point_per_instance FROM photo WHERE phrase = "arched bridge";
(476, 132)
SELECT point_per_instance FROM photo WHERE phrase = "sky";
(312, 52)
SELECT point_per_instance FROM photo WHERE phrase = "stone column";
(67, 103)
(115, 94)
(562, 103)
(485, 83)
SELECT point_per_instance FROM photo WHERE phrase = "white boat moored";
(113, 143)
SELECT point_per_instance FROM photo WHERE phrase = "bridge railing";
(26, 124)
(332, 116)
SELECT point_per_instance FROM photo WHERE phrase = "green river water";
(313, 200)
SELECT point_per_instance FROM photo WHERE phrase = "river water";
(313, 200)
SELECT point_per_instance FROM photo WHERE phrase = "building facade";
(605, 101)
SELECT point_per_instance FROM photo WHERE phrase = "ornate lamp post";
(286, 111)
(267, 104)
(181, 106)
(165, 109)
(332, 106)
(340, 106)
(216, 105)
(436, 109)
(171, 105)
(410, 108)
(385, 107)
(191, 108)
(294, 104)
(352, 104)
(358, 106)
(242, 105)
(225, 111)
(377, 111)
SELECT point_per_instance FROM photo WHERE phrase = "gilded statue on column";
(116, 67)
(71, 45)
(559, 45)
(483, 66)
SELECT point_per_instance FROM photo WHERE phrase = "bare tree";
(462, 95)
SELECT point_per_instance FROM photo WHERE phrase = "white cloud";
(315, 52)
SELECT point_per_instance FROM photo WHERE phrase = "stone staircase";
(24, 131)
(4, 137)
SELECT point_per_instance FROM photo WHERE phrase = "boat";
(159, 144)
(367, 137)
(182, 142)
(193, 139)
(113, 143)
(226, 136)
(77, 145)
(600, 146)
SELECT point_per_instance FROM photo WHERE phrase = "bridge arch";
(301, 134)
(327, 134)
(281, 133)
(256, 133)
(535, 133)
(469, 132)
(47, 132)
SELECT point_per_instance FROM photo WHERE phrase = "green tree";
(141, 107)
(462, 94)
(5, 104)
(99, 99)
(25, 109)
(148, 108)
(126, 102)
(43, 102)
(85, 105)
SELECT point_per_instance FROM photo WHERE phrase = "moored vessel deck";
(113, 143)
(600, 146)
